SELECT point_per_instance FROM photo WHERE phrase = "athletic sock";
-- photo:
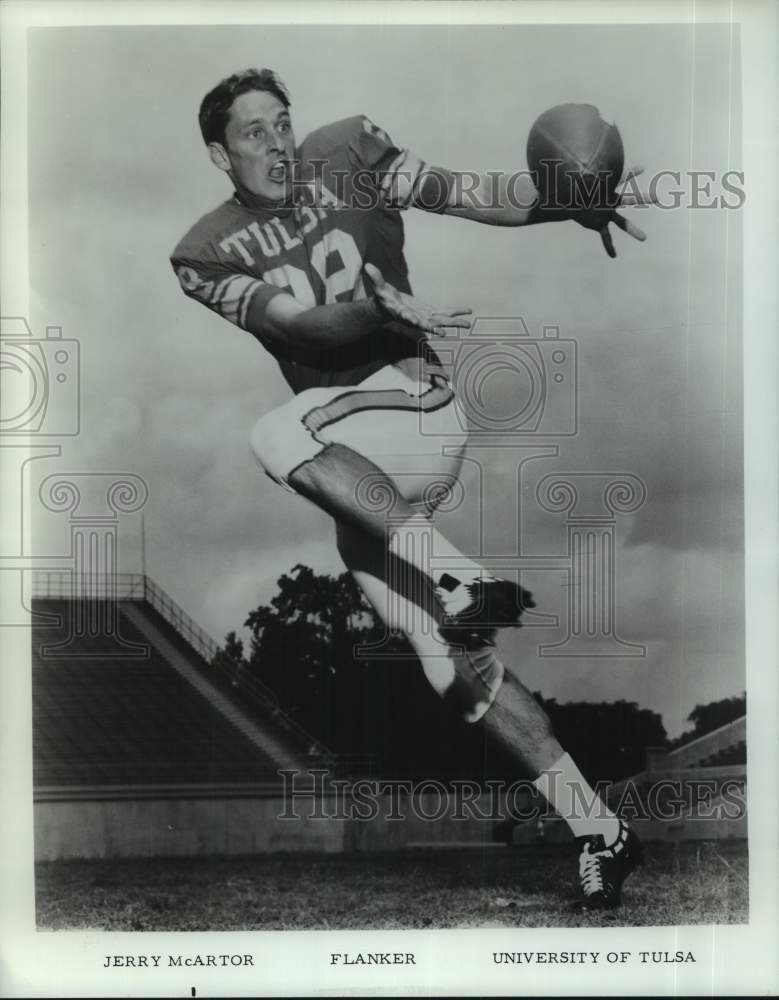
(564, 786)
(418, 542)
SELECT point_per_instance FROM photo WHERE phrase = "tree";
(305, 647)
(607, 739)
(229, 661)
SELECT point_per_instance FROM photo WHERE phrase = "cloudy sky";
(118, 172)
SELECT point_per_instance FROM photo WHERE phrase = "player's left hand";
(397, 305)
(600, 218)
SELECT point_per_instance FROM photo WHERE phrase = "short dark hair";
(215, 106)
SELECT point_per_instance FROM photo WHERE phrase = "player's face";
(260, 145)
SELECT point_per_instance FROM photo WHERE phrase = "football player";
(307, 256)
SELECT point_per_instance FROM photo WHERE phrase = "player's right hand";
(396, 305)
(599, 219)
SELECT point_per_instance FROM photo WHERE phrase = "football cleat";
(492, 603)
(602, 870)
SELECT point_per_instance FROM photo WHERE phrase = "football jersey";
(313, 248)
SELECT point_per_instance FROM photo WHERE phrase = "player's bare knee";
(315, 473)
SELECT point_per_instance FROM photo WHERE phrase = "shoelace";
(590, 872)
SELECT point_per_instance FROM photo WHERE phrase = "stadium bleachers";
(252, 696)
(696, 791)
(736, 754)
(127, 720)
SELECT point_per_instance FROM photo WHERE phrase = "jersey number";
(343, 283)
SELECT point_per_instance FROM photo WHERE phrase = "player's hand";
(600, 218)
(396, 305)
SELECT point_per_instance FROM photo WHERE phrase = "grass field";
(686, 883)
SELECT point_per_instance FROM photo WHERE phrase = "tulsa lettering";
(178, 961)
(588, 957)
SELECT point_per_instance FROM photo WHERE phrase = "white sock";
(564, 786)
(418, 543)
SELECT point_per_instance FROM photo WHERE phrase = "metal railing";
(175, 616)
(65, 584)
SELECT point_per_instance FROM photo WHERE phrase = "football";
(576, 157)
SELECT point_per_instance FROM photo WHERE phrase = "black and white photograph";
(389, 527)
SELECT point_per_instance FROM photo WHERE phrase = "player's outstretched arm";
(501, 199)
(325, 327)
